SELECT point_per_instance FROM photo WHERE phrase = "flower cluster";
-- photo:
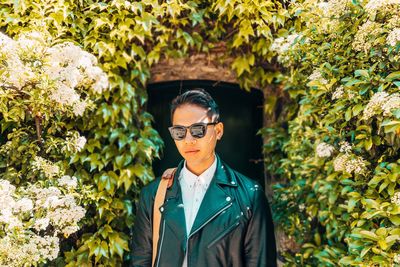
(396, 259)
(394, 37)
(374, 5)
(340, 93)
(333, 8)
(381, 102)
(324, 150)
(317, 76)
(28, 212)
(25, 249)
(396, 198)
(282, 45)
(61, 73)
(74, 142)
(350, 164)
(366, 36)
(68, 181)
(345, 147)
(49, 169)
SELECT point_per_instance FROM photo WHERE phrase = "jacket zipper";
(201, 226)
(224, 233)
(161, 243)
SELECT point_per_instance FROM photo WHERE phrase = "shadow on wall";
(242, 115)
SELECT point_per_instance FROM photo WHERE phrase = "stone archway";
(199, 66)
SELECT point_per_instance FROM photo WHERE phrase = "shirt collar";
(204, 178)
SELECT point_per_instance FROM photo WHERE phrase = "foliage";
(341, 201)
(41, 87)
(128, 37)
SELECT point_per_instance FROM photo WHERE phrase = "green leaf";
(362, 73)
(393, 76)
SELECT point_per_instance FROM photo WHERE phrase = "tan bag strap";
(158, 202)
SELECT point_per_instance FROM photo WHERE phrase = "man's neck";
(202, 167)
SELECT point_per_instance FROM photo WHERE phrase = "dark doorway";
(242, 115)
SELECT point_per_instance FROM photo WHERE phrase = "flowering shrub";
(42, 86)
(32, 218)
(341, 201)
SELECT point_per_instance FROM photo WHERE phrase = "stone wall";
(199, 66)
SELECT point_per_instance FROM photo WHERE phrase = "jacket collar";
(214, 201)
(223, 176)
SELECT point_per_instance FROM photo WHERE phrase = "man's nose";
(189, 138)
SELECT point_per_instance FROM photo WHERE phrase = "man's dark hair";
(198, 97)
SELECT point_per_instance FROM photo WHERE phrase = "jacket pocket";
(224, 233)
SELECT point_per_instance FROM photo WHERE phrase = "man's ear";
(219, 129)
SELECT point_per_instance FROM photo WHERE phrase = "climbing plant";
(339, 153)
(127, 38)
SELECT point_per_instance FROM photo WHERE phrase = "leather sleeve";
(259, 246)
(141, 255)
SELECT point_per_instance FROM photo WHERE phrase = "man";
(212, 215)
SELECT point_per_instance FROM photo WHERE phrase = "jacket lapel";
(216, 198)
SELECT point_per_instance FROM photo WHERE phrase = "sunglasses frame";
(204, 124)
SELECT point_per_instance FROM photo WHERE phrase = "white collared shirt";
(193, 190)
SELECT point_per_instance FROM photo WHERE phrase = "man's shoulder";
(247, 181)
(149, 190)
(243, 180)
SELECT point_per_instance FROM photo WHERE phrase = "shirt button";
(232, 182)
(228, 198)
(161, 209)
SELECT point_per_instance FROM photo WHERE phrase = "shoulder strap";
(158, 202)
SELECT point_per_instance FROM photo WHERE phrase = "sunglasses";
(197, 130)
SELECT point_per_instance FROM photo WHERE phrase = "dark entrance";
(242, 115)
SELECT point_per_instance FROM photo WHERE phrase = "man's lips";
(192, 151)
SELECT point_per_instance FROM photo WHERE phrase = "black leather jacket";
(233, 226)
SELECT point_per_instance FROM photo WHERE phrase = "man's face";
(197, 152)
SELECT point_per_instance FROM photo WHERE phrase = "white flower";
(283, 44)
(396, 258)
(75, 143)
(65, 95)
(324, 150)
(8, 218)
(349, 164)
(366, 36)
(48, 168)
(302, 207)
(339, 92)
(6, 188)
(333, 8)
(317, 76)
(23, 205)
(67, 231)
(345, 147)
(68, 181)
(79, 108)
(80, 143)
(101, 84)
(41, 224)
(393, 102)
(393, 37)
(375, 104)
(396, 198)
(374, 5)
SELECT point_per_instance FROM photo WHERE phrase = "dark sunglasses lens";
(198, 131)
(178, 133)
